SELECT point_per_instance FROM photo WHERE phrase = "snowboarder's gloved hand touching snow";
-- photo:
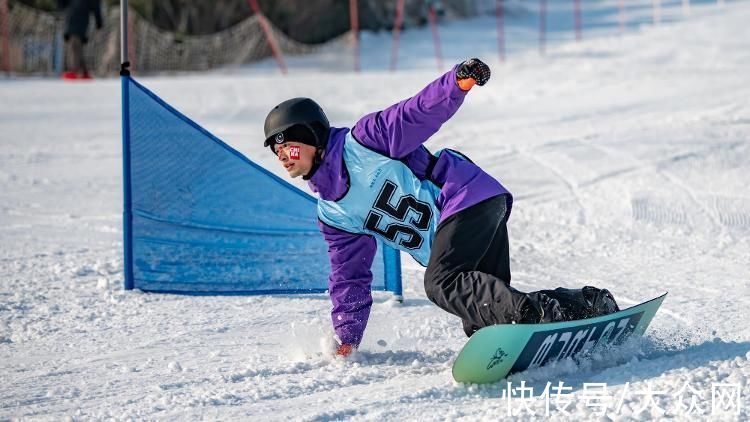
(344, 350)
(470, 72)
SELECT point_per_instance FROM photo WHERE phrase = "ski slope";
(629, 158)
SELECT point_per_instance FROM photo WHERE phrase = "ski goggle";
(292, 151)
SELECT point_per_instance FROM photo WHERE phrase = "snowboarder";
(379, 180)
(77, 14)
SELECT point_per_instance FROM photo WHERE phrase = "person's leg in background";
(79, 61)
(74, 61)
(70, 71)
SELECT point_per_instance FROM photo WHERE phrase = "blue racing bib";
(386, 200)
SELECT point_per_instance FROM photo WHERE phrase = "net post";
(124, 63)
(127, 214)
(392, 270)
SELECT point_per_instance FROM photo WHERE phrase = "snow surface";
(629, 157)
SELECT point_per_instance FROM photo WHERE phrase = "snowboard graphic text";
(496, 351)
(548, 346)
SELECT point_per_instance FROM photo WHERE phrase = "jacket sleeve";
(349, 282)
(403, 127)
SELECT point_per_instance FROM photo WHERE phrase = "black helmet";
(297, 111)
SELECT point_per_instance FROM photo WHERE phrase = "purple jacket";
(397, 132)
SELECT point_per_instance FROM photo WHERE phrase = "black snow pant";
(75, 58)
(468, 274)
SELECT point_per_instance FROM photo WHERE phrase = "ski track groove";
(691, 193)
(733, 212)
(669, 216)
(650, 210)
(571, 186)
(609, 175)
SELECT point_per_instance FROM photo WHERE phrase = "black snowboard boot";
(587, 302)
(538, 308)
(600, 301)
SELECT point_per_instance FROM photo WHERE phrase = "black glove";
(475, 69)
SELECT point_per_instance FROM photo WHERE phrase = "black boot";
(539, 308)
(587, 302)
(600, 301)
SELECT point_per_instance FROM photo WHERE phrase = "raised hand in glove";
(470, 72)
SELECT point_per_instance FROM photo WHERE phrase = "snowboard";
(492, 353)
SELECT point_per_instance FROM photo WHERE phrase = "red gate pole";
(542, 25)
(396, 32)
(354, 24)
(436, 37)
(657, 11)
(621, 4)
(5, 34)
(577, 7)
(269, 35)
(500, 30)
